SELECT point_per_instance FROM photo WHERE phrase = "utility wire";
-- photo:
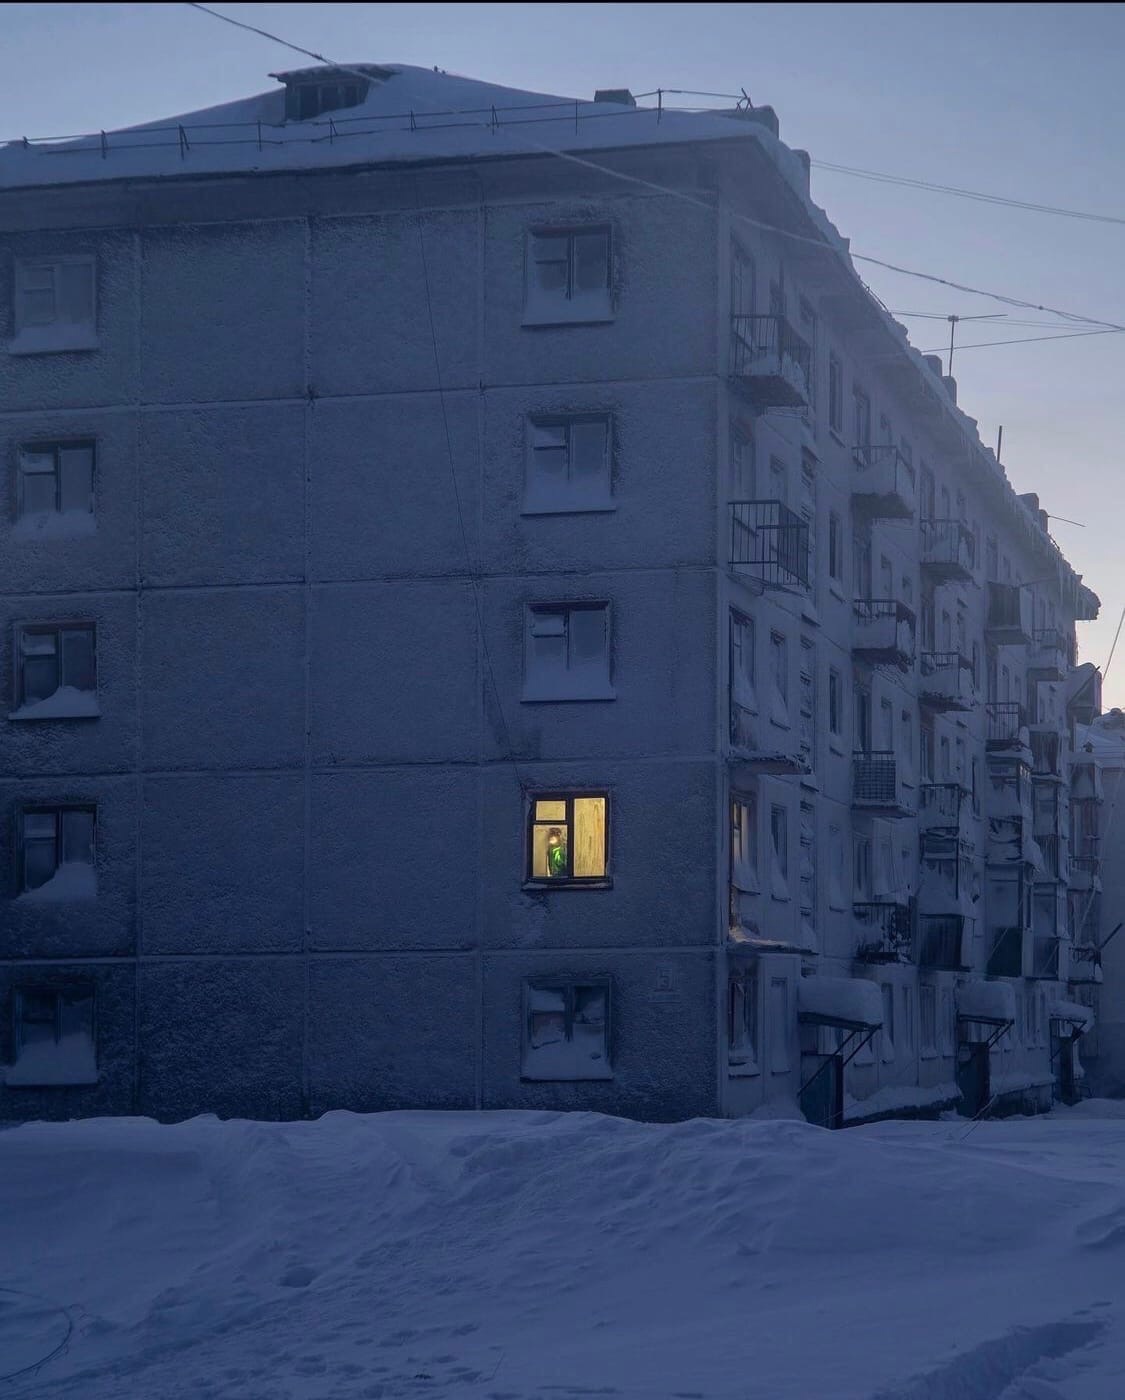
(821, 242)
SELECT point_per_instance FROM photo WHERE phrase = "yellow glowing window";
(568, 838)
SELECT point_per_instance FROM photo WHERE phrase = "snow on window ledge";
(55, 525)
(70, 1061)
(73, 880)
(743, 1069)
(65, 703)
(48, 340)
(593, 308)
(575, 504)
(542, 695)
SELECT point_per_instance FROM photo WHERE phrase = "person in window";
(556, 853)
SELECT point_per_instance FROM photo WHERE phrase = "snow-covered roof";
(991, 1002)
(1104, 740)
(840, 1001)
(1073, 1012)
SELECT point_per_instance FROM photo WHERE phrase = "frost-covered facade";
(490, 629)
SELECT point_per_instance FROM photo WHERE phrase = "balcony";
(948, 551)
(1006, 957)
(769, 543)
(1085, 779)
(1004, 720)
(1086, 864)
(885, 931)
(946, 682)
(883, 486)
(1008, 621)
(1051, 849)
(758, 747)
(770, 364)
(877, 785)
(941, 942)
(884, 632)
(945, 883)
(1044, 957)
(1046, 752)
(1085, 963)
(940, 804)
(1046, 659)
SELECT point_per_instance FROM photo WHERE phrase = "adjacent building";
(497, 615)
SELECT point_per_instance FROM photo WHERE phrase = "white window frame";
(577, 1071)
(58, 811)
(780, 862)
(32, 337)
(85, 701)
(577, 497)
(54, 448)
(567, 305)
(745, 853)
(743, 1022)
(541, 684)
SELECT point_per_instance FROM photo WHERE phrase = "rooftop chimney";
(934, 362)
(622, 96)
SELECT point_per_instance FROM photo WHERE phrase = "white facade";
(444, 525)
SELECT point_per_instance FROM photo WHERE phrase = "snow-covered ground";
(512, 1255)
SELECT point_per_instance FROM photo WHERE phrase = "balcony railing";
(1045, 957)
(770, 543)
(883, 483)
(946, 682)
(886, 929)
(884, 632)
(1003, 721)
(1008, 622)
(875, 782)
(1006, 957)
(948, 550)
(760, 748)
(1085, 869)
(941, 941)
(940, 804)
(1050, 847)
(769, 362)
(1047, 658)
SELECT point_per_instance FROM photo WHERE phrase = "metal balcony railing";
(875, 779)
(941, 941)
(1047, 655)
(946, 682)
(770, 543)
(1006, 957)
(886, 929)
(1008, 621)
(1088, 866)
(948, 549)
(770, 362)
(1046, 753)
(940, 803)
(1050, 846)
(884, 631)
(883, 482)
(1004, 719)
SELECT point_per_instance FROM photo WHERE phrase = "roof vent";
(622, 96)
(309, 92)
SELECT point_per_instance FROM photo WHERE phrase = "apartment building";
(492, 628)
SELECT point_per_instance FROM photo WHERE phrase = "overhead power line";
(571, 158)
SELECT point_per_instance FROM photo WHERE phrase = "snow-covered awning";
(1080, 1018)
(991, 1003)
(851, 1002)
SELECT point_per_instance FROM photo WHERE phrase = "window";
(835, 394)
(885, 741)
(744, 842)
(991, 559)
(906, 1022)
(743, 477)
(54, 1037)
(808, 886)
(567, 652)
(779, 481)
(568, 276)
(742, 661)
(835, 548)
(566, 1032)
(779, 841)
(835, 704)
(779, 1024)
(808, 331)
(57, 853)
(56, 478)
(304, 101)
(779, 676)
(861, 851)
(887, 1034)
(906, 752)
(568, 465)
(56, 676)
(861, 715)
(54, 305)
(927, 1004)
(742, 1021)
(807, 702)
(861, 423)
(568, 838)
(947, 1021)
(741, 281)
(837, 892)
(975, 786)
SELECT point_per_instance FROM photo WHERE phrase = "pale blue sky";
(1024, 101)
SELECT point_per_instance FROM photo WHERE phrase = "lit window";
(568, 465)
(568, 839)
(56, 478)
(568, 276)
(56, 676)
(742, 1021)
(54, 1037)
(54, 305)
(57, 853)
(567, 654)
(566, 1033)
